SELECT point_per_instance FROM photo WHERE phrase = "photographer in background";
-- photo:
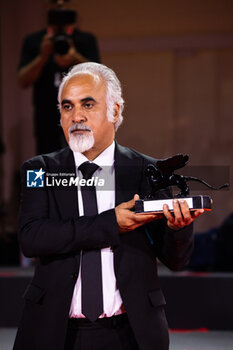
(45, 56)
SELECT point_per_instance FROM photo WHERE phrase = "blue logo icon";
(35, 178)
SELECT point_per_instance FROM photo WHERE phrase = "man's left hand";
(70, 58)
(181, 216)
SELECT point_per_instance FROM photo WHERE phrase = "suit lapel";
(65, 197)
(128, 173)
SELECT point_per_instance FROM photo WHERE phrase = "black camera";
(61, 18)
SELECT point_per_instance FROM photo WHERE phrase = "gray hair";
(113, 86)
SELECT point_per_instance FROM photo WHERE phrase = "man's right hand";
(30, 73)
(128, 220)
(46, 47)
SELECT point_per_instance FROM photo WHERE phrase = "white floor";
(7, 336)
(213, 340)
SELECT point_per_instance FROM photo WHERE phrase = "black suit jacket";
(51, 230)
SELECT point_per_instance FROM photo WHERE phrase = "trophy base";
(144, 206)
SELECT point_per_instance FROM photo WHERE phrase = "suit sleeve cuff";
(183, 233)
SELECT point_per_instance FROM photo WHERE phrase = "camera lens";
(61, 44)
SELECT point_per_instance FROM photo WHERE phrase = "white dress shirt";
(112, 301)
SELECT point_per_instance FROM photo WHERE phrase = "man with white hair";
(95, 284)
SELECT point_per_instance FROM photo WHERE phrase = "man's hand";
(46, 47)
(182, 215)
(30, 73)
(128, 220)
(70, 58)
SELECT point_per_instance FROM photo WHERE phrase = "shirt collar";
(106, 158)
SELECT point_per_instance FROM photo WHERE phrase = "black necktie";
(91, 271)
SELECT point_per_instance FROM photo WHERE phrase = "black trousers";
(113, 333)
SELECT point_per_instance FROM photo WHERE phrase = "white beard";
(81, 143)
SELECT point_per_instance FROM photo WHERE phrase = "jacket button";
(74, 275)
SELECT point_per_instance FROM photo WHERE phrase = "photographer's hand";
(46, 47)
(29, 74)
(70, 58)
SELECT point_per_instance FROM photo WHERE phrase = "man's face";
(84, 115)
